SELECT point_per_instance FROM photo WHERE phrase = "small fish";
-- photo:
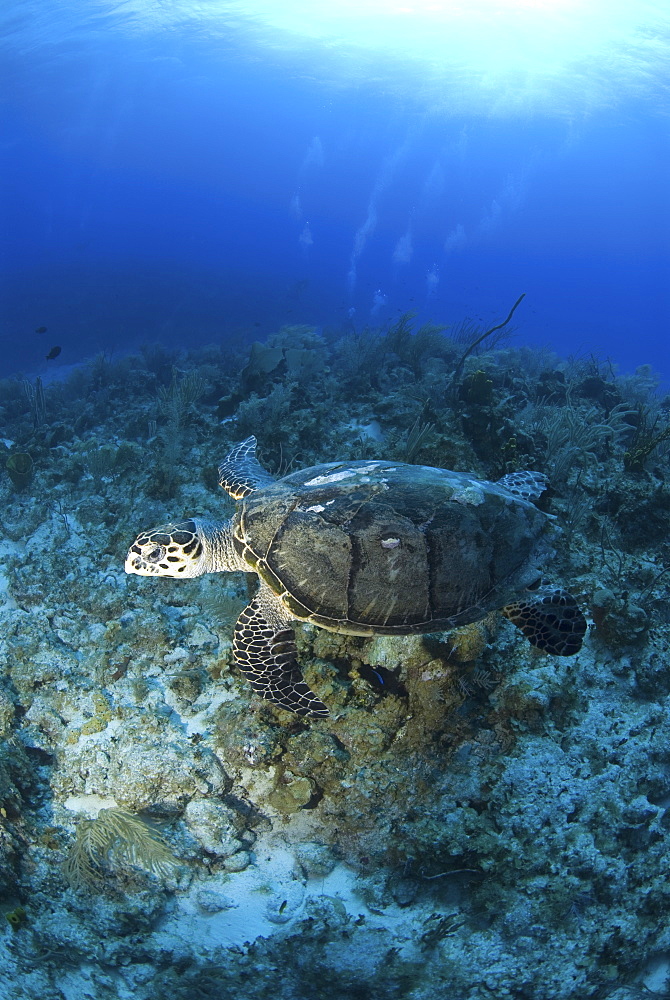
(41, 329)
(53, 353)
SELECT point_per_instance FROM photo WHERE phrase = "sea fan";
(119, 841)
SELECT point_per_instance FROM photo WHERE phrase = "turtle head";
(174, 550)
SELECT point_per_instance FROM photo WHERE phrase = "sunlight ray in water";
(497, 57)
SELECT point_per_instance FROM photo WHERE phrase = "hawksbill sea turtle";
(368, 548)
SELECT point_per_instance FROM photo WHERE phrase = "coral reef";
(475, 818)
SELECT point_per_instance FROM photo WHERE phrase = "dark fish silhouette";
(41, 329)
(53, 353)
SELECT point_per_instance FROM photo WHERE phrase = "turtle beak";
(145, 559)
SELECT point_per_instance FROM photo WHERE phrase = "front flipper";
(265, 651)
(241, 473)
(551, 620)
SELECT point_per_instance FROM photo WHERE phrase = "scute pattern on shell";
(370, 547)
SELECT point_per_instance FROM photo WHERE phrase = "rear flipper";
(551, 620)
(265, 651)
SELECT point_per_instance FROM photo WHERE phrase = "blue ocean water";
(191, 172)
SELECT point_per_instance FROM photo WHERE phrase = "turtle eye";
(155, 554)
